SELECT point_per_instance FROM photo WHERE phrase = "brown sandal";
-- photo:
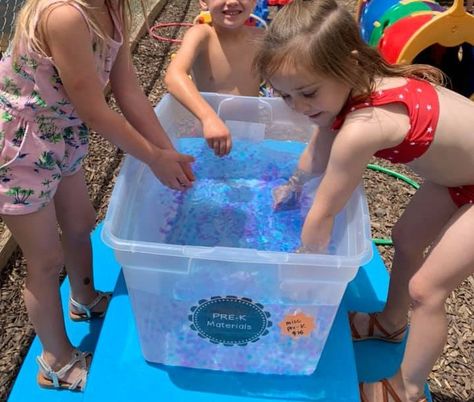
(394, 337)
(387, 390)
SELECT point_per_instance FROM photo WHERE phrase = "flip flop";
(393, 337)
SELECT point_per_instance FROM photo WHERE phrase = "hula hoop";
(154, 35)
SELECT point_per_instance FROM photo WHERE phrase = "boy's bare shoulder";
(196, 38)
(200, 30)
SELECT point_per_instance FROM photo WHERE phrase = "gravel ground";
(453, 376)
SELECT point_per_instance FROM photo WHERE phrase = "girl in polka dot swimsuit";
(313, 56)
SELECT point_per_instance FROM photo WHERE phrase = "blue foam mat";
(119, 372)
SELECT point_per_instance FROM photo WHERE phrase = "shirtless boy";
(219, 58)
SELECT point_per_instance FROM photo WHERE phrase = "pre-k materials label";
(230, 320)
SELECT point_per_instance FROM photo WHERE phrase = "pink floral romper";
(41, 136)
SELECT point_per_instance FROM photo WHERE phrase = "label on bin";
(297, 325)
(230, 320)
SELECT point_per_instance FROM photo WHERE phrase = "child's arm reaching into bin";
(135, 106)
(312, 163)
(352, 149)
(74, 59)
(184, 89)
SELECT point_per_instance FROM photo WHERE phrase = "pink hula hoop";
(154, 35)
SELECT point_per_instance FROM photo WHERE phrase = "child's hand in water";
(287, 196)
(173, 169)
(217, 135)
(188, 170)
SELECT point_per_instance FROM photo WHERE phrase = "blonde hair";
(27, 31)
(322, 36)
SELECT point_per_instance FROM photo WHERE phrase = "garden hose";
(414, 184)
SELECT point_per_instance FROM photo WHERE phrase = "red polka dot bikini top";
(421, 101)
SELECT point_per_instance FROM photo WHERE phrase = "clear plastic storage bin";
(229, 308)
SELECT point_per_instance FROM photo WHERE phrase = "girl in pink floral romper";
(51, 90)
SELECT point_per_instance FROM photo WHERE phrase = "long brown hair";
(27, 30)
(322, 36)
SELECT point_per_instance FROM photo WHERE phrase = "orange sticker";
(297, 325)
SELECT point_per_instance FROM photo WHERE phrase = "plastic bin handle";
(246, 118)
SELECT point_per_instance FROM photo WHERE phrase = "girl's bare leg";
(37, 235)
(449, 262)
(423, 219)
(76, 217)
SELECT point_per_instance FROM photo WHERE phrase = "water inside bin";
(230, 204)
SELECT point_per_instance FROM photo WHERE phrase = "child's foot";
(72, 375)
(367, 326)
(95, 309)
